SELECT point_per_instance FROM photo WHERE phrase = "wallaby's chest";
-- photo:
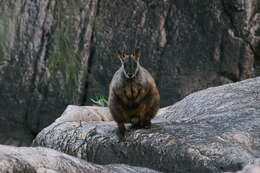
(132, 90)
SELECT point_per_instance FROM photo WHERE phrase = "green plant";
(100, 101)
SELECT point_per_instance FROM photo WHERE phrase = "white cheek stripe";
(136, 70)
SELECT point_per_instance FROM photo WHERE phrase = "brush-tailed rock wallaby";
(133, 95)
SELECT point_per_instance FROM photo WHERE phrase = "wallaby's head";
(130, 63)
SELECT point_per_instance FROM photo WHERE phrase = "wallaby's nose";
(130, 75)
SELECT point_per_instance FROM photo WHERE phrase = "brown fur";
(134, 100)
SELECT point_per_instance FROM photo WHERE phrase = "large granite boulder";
(212, 130)
(43, 160)
(54, 53)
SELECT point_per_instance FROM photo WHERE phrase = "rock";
(253, 169)
(84, 113)
(54, 53)
(43, 160)
(213, 130)
(250, 168)
(44, 54)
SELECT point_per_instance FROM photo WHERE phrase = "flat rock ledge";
(213, 130)
(44, 160)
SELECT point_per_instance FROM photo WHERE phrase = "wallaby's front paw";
(120, 131)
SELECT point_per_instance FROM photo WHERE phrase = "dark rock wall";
(187, 45)
(54, 53)
(46, 47)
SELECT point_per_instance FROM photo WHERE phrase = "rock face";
(212, 130)
(54, 53)
(43, 160)
(253, 167)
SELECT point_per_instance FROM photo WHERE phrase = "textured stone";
(213, 130)
(43, 160)
(253, 167)
(54, 53)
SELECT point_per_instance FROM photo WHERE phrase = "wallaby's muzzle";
(130, 75)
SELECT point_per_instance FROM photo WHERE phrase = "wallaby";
(133, 95)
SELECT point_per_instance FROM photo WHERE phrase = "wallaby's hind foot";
(142, 125)
(147, 124)
(121, 129)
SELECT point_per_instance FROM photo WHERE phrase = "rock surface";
(253, 167)
(43, 160)
(212, 130)
(54, 53)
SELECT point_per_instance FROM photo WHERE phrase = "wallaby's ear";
(137, 54)
(120, 55)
